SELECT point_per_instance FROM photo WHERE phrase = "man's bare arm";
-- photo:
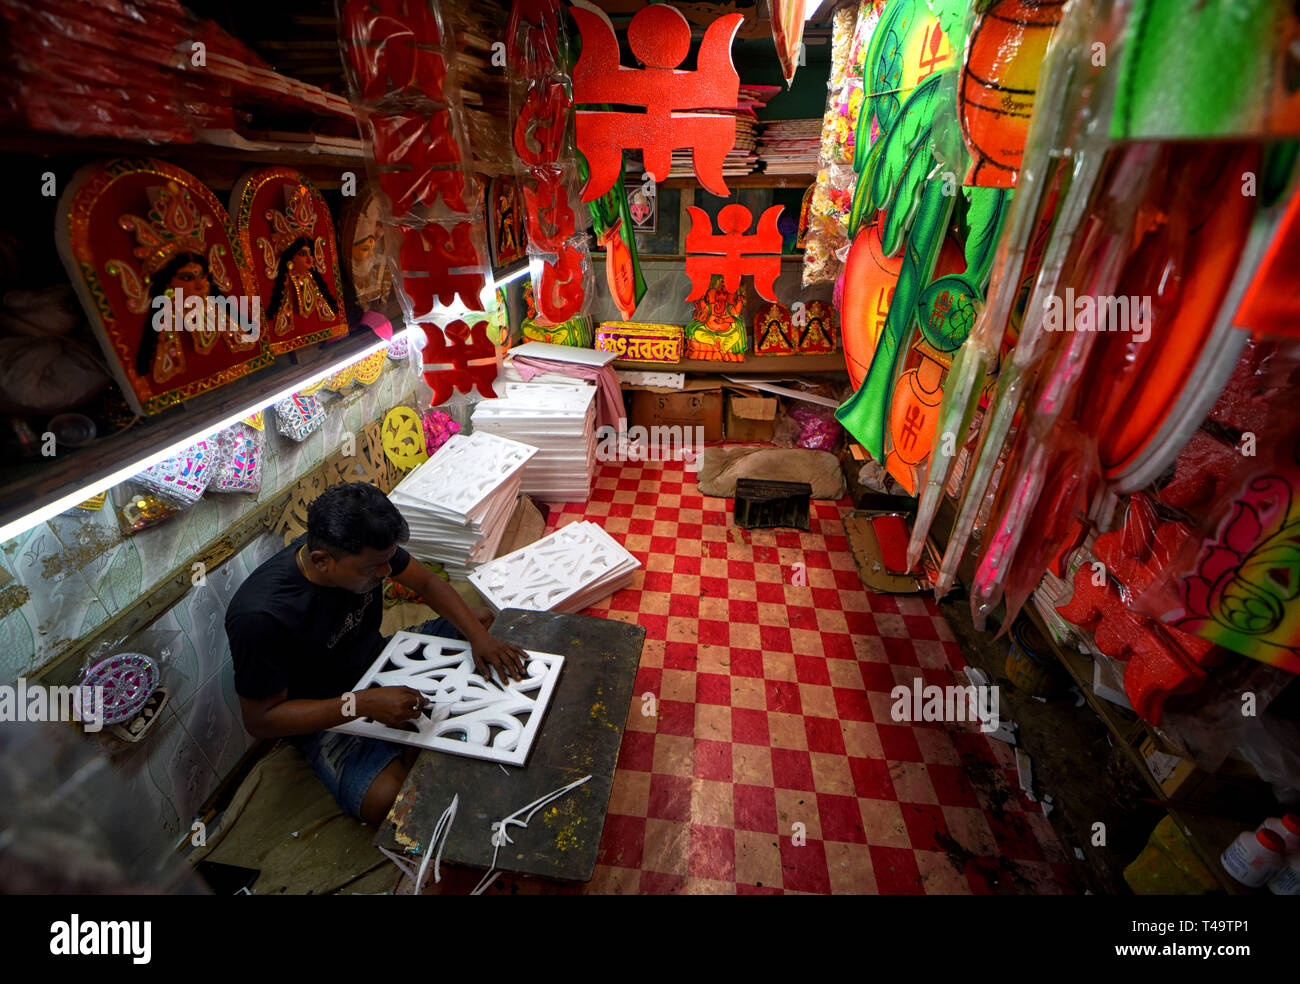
(278, 717)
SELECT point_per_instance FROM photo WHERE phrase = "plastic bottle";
(1288, 828)
(1287, 880)
(1254, 857)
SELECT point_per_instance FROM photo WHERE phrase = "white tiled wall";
(71, 574)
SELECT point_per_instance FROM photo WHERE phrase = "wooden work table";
(580, 736)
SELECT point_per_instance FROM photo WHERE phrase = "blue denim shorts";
(349, 764)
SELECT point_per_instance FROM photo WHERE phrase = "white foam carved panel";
(567, 571)
(464, 714)
(462, 473)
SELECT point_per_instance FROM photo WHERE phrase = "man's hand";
(389, 705)
(508, 660)
(484, 615)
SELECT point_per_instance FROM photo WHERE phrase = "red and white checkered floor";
(765, 759)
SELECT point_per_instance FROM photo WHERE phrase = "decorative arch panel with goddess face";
(165, 284)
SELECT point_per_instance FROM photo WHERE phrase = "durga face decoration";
(164, 283)
(283, 221)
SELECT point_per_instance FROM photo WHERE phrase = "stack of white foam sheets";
(560, 421)
(458, 503)
(572, 569)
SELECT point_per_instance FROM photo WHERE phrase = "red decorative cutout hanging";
(676, 101)
(544, 117)
(386, 45)
(561, 292)
(731, 253)
(409, 190)
(458, 358)
(435, 252)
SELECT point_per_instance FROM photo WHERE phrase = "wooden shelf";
(27, 486)
(214, 165)
(756, 365)
(749, 181)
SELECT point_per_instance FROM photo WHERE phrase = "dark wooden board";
(580, 736)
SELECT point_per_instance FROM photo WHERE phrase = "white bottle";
(1288, 828)
(1287, 880)
(1254, 857)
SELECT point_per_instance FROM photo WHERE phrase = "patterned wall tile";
(54, 597)
(213, 719)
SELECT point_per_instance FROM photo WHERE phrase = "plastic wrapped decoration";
(998, 86)
(239, 460)
(397, 56)
(1216, 69)
(439, 428)
(1051, 191)
(182, 478)
(611, 220)
(576, 331)
(541, 108)
(1232, 581)
(827, 238)
(900, 205)
(297, 416)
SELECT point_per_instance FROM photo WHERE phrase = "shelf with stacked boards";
(774, 365)
(749, 181)
(216, 165)
(29, 486)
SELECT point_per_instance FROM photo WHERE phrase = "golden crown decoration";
(174, 225)
(296, 221)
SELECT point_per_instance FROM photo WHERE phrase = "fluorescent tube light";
(40, 515)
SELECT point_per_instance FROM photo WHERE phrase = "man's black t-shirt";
(287, 634)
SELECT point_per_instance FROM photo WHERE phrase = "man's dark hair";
(348, 517)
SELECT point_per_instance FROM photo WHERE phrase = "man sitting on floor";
(304, 627)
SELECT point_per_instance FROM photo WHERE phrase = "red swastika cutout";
(408, 190)
(560, 293)
(548, 204)
(736, 253)
(458, 358)
(660, 37)
(415, 139)
(389, 46)
(545, 113)
(530, 38)
(436, 252)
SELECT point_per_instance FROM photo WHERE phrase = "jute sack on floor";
(721, 466)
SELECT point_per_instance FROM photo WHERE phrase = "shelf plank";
(28, 486)
(768, 365)
(215, 165)
(749, 181)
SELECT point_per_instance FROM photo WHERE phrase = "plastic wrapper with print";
(827, 241)
(398, 56)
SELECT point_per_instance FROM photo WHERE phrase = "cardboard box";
(697, 404)
(750, 417)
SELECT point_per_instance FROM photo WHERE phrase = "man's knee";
(379, 797)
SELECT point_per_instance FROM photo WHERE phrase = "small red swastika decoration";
(676, 102)
(436, 252)
(731, 253)
(458, 358)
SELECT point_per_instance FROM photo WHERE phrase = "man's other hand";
(492, 654)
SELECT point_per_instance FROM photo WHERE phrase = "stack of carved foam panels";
(459, 502)
(560, 421)
(568, 571)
